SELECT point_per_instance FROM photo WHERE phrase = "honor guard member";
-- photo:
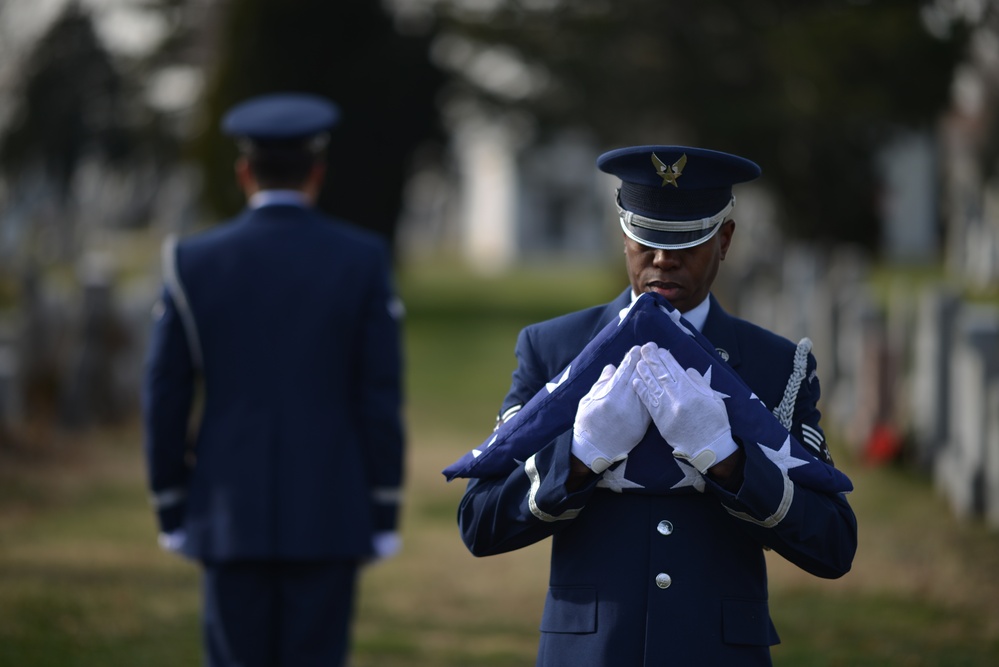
(286, 322)
(676, 577)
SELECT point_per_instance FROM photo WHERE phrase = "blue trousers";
(278, 614)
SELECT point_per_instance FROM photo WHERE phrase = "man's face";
(683, 277)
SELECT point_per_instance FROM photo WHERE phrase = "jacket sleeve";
(500, 514)
(380, 396)
(815, 531)
(168, 389)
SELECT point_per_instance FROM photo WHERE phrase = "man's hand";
(386, 543)
(610, 419)
(173, 541)
(689, 414)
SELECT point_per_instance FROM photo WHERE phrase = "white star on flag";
(614, 479)
(784, 461)
(624, 312)
(675, 316)
(691, 477)
(478, 452)
(782, 457)
(707, 379)
(552, 386)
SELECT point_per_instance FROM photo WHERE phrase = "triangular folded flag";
(552, 410)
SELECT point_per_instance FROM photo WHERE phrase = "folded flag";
(652, 468)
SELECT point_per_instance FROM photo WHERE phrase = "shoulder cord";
(176, 288)
(785, 411)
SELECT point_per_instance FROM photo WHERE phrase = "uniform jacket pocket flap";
(570, 609)
(748, 622)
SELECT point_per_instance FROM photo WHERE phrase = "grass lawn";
(82, 582)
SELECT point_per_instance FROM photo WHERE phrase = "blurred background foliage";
(72, 100)
(382, 80)
(810, 90)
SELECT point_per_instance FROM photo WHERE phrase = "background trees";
(349, 51)
(812, 91)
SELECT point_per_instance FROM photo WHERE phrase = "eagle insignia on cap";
(670, 173)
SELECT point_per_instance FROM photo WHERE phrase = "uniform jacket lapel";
(719, 329)
(611, 312)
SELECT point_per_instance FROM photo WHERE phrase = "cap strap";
(632, 218)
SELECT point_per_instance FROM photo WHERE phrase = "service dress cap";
(282, 118)
(675, 197)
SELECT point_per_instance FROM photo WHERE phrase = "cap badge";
(670, 173)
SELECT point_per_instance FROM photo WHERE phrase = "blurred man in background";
(284, 325)
(660, 491)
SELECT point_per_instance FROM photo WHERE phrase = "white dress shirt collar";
(278, 198)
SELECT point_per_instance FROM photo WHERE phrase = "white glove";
(173, 541)
(610, 419)
(689, 414)
(386, 543)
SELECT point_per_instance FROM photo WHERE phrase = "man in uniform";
(658, 506)
(284, 324)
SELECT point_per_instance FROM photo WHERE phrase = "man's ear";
(244, 176)
(725, 236)
(314, 183)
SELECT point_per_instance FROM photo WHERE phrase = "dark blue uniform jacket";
(656, 580)
(289, 321)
